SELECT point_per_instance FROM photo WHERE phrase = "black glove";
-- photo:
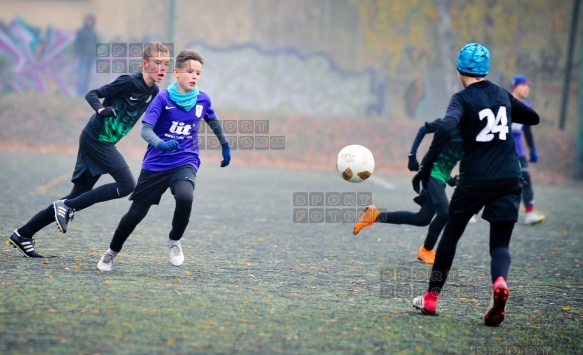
(413, 164)
(453, 180)
(421, 178)
(108, 112)
(168, 146)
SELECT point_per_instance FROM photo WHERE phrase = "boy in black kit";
(125, 101)
(489, 174)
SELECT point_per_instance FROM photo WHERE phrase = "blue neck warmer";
(186, 101)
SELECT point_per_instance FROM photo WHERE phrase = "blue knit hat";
(473, 60)
(519, 79)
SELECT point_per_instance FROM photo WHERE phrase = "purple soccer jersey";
(171, 121)
(517, 134)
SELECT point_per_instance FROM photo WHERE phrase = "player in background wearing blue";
(170, 126)
(521, 90)
(125, 100)
(432, 199)
(490, 174)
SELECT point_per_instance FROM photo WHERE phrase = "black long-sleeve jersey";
(482, 113)
(130, 96)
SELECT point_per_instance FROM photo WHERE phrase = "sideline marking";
(42, 188)
(382, 182)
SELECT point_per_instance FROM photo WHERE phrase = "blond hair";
(155, 49)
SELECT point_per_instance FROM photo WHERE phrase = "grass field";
(256, 282)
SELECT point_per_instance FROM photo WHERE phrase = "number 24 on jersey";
(495, 125)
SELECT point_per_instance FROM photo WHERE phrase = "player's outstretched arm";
(527, 132)
(150, 136)
(413, 164)
(217, 128)
(428, 127)
(442, 136)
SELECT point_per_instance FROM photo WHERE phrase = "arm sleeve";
(217, 128)
(527, 131)
(448, 129)
(428, 127)
(418, 140)
(522, 113)
(149, 135)
(114, 89)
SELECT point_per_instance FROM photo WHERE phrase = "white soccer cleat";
(176, 256)
(533, 218)
(106, 262)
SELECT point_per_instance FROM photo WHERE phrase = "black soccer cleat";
(63, 215)
(25, 245)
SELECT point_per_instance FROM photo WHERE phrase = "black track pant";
(421, 218)
(82, 196)
(500, 233)
(183, 194)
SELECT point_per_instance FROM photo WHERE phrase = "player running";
(170, 126)
(432, 198)
(489, 174)
(125, 100)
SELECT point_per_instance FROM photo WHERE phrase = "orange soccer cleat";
(427, 256)
(368, 218)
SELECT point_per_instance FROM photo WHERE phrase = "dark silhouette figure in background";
(85, 47)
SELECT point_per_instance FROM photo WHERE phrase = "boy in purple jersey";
(170, 126)
(521, 90)
(489, 177)
(125, 100)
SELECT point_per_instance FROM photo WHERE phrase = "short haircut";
(184, 55)
(155, 49)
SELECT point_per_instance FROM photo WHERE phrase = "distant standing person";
(85, 47)
(521, 90)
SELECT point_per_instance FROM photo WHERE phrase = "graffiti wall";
(365, 58)
(32, 60)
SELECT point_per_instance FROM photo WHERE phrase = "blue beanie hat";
(473, 60)
(519, 79)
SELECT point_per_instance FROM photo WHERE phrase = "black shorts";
(152, 184)
(433, 193)
(96, 157)
(499, 198)
(436, 191)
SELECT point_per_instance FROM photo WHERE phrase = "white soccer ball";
(355, 163)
